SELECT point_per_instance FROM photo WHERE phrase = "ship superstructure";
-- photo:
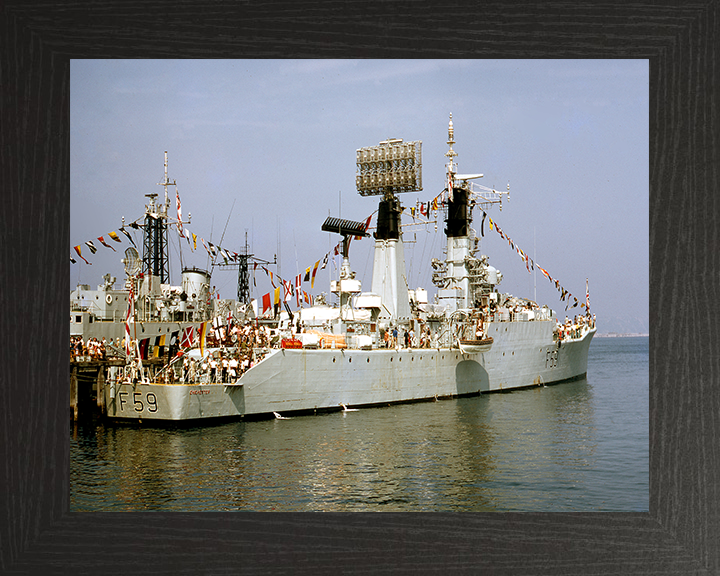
(160, 307)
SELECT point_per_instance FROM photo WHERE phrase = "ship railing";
(574, 333)
(486, 197)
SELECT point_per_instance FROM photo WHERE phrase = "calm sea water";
(580, 446)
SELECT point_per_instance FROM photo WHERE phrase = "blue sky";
(267, 148)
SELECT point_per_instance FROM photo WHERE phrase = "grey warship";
(472, 339)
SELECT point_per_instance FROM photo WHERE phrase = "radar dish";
(132, 261)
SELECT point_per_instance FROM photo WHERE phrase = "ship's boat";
(475, 346)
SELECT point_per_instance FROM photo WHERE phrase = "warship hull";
(292, 381)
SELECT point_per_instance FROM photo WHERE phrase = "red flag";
(188, 337)
(367, 225)
(179, 213)
(77, 249)
(130, 317)
(288, 290)
(266, 302)
(105, 244)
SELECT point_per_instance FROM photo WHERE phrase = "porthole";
(333, 359)
(368, 359)
(391, 358)
(349, 359)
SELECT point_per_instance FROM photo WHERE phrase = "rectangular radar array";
(345, 227)
(392, 166)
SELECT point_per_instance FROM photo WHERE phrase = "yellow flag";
(203, 331)
(312, 280)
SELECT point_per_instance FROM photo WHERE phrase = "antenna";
(166, 182)
(391, 167)
(132, 261)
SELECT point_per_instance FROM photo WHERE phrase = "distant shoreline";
(618, 335)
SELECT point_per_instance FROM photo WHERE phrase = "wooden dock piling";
(87, 378)
(74, 393)
(100, 390)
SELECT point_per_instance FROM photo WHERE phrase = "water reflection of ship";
(539, 441)
(488, 453)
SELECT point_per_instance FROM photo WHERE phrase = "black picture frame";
(38, 534)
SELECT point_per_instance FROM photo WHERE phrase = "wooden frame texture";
(681, 532)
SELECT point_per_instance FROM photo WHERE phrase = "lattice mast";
(155, 234)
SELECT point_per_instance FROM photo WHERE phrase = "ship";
(376, 348)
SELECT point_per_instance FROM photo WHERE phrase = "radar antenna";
(132, 261)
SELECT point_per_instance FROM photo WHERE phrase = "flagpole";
(534, 269)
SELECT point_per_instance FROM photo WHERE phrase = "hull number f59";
(140, 404)
(551, 358)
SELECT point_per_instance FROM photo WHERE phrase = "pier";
(87, 378)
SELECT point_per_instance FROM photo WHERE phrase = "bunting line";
(291, 288)
(565, 295)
